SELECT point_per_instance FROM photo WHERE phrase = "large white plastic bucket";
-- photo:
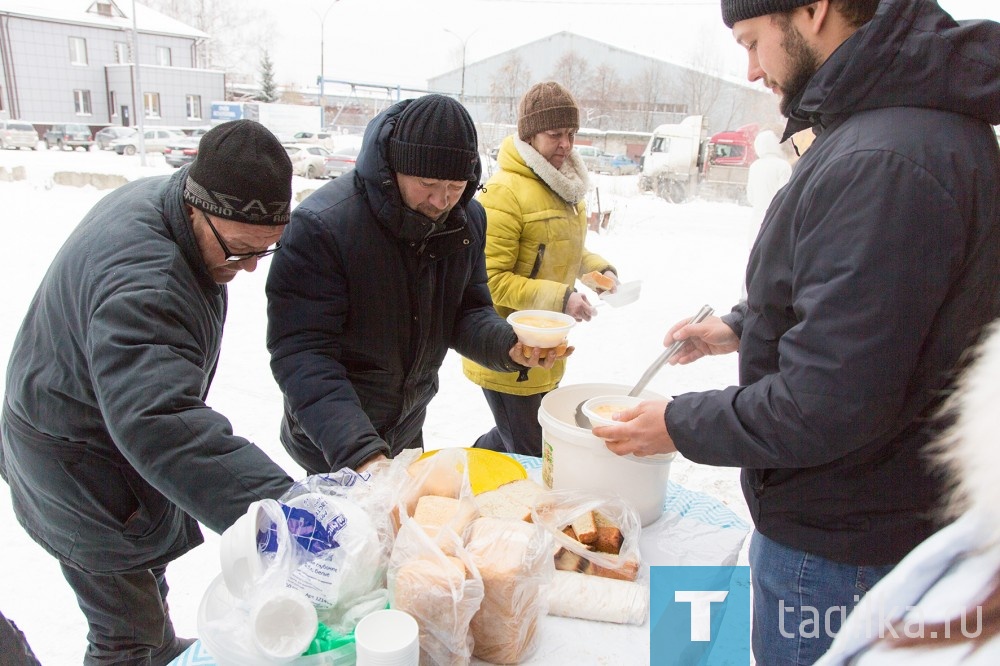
(574, 459)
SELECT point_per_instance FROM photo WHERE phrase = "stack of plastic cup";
(283, 624)
(387, 638)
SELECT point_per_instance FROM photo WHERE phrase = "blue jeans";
(800, 600)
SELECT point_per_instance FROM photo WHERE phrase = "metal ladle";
(706, 310)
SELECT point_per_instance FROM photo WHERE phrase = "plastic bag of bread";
(444, 475)
(596, 534)
(514, 559)
(442, 592)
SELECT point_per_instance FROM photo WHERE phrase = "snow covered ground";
(686, 255)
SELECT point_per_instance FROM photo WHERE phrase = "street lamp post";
(322, 51)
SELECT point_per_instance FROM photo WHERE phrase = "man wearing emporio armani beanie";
(381, 272)
(874, 269)
(112, 455)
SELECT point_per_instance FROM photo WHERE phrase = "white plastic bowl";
(627, 292)
(541, 328)
(601, 408)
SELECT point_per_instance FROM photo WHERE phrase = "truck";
(284, 120)
(682, 161)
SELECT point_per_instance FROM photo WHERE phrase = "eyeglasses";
(232, 256)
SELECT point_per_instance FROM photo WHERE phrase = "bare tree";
(701, 85)
(237, 33)
(603, 97)
(648, 88)
(571, 72)
(510, 82)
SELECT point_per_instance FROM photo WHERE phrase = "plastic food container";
(627, 292)
(601, 409)
(574, 459)
(541, 328)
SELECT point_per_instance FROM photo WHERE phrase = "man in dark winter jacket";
(381, 272)
(876, 266)
(111, 454)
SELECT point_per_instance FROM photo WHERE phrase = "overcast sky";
(403, 42)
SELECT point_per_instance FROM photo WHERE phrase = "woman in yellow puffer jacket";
(536, 228)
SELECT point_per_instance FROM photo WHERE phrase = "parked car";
(154, 141)
(308, 159)
(69, 135)
(181, 151)
(342, 160)
(325, 139)
(591, 156)
(105, 136)
(618, 165)
(18, 134)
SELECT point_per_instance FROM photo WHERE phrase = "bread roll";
(574, 594)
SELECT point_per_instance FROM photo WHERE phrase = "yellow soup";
(605, 411)
(539, 322)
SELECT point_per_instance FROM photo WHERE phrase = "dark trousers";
(14, 648)
(128, 617)
(517, 429)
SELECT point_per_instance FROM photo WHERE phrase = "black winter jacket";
(363, 305)
(876, 266)
(108, 446)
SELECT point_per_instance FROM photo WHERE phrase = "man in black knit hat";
(111, 454)
(381, 272)
(875, 268)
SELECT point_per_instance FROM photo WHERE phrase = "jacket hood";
(570, 182)
(969, 447)
(912, 53)
(378, 180)
(766, 143)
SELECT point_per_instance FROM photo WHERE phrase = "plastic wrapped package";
(442, 592)
(514, 559)
(574, 594)
(609, 548)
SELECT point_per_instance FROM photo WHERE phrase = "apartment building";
(75, 61)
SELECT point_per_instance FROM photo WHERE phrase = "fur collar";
(971, 446)
(570, 182)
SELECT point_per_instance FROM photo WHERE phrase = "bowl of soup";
(601, 409)
(541, 328)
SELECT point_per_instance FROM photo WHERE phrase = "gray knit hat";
(435, 137)
(740, 10)
(546, 106)
(241, 173)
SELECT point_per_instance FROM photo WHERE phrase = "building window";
(151, 104)
(81, 101)
(163, 56)
(113, 103)
(121, 53)
(193, 107)
(78, 50)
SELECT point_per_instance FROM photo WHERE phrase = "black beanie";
(242, 173)
(741, 10)
(435, 137)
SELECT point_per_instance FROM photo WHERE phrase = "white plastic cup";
(387, 638)
(283, 624)
(238, 554)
